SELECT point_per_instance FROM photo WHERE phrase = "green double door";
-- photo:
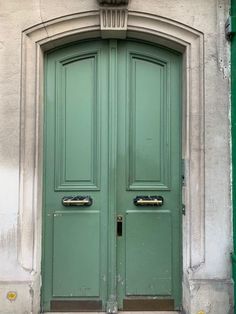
(112, 178)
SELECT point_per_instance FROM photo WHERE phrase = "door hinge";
(183, 209)
(230, 27)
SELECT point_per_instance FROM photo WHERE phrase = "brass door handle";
(77, 201)
(148, 201)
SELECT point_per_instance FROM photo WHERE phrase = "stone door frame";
(67, 29)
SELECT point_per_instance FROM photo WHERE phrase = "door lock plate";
(119, 225)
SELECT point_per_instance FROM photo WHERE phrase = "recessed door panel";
(77, 159)
(76, 254)
(148, 253)
(148, 152)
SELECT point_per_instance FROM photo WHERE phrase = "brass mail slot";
(148, 201)
(77, 201)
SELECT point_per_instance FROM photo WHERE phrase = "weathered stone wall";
(207, 285)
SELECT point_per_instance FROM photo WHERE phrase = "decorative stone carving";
(113, 2)
(113, 22)
(113, 18)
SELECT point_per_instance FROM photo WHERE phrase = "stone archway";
(66, 29)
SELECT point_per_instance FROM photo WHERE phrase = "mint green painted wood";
(112, 176)
(149, 163)
(76, 115)
(76, 123)
(69, 251)
(145, 142)
(147, 253)
(112, 131)
(149, 167)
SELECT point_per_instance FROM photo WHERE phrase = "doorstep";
(122, 312)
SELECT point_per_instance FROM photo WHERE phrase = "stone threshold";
(122, 312)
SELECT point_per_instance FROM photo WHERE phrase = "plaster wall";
(206, 285)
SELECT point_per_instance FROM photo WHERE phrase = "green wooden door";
(148, 164)
(112, 134)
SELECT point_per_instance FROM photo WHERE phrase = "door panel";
(149, 151)
(112, 132)
(148, 255)
(148, 155)
(77, 116)
(76, 242)
(76, 119)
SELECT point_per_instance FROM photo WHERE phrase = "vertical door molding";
(86, 25)
(112, 160)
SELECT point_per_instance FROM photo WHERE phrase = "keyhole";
(119, 226)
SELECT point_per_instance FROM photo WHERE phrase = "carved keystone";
(113, 22)
(113, 18)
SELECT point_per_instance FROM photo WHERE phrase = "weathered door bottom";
(136, 304)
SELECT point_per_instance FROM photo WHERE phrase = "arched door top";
(66, 29)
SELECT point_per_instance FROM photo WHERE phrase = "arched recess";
(67, 29)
